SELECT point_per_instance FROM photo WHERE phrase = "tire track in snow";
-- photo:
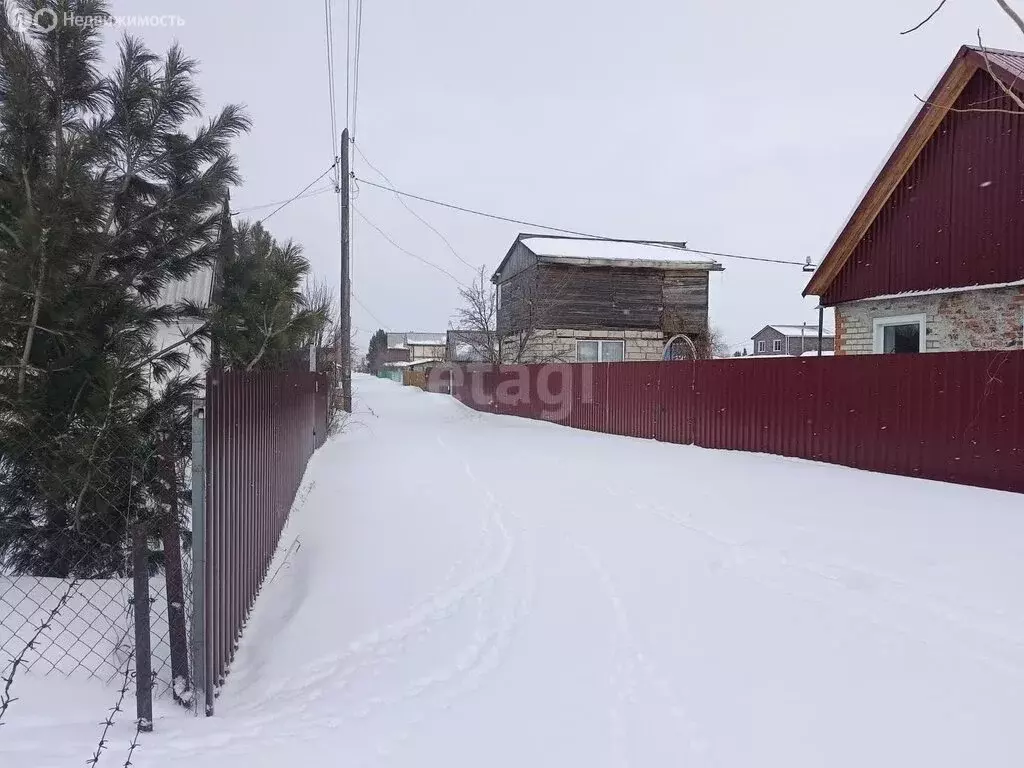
(466, 669)
(483, 656)
(382, 645)
(696, 740)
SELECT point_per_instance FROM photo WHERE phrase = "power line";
(348, 61)
(357, 50)
(290, 200)
(369, 311)
(329, 24)
(311, 193)
(410, 210)
(407, 252)
(563, 230)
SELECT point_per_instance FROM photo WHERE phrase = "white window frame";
(499, 295)
(776, 345)
(761, 345)
(881, 323)
(600, 348)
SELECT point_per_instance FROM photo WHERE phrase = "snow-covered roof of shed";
(814, 353)
(428, 339)
(796, 330)
(469, 353)
(586, 252)
(411, 363)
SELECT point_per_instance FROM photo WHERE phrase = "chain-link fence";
(96, 537)
(88, 512)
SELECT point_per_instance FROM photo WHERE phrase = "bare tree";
(318, 295)
(1012, 89)
(477, 321)
(712, 344)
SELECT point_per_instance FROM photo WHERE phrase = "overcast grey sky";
(746, 127)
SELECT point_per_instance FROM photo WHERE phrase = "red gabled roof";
(1007, 66)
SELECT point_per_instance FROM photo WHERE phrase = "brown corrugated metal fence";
(261, 429)
(957, 417)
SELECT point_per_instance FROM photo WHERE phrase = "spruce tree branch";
(37, 300)
(167, 350)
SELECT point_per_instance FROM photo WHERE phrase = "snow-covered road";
(465, 590)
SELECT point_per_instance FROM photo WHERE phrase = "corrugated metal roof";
(197, 288)
(1011, 61)
(944, 210)
(955, 218)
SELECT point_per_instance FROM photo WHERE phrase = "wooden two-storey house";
(567, 299)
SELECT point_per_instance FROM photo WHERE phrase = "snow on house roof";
(797, 330)
(588, 252)
(411, 363)
(469, 353)
(428, 339)
(814, 353)
(396, 341)
(954, 289)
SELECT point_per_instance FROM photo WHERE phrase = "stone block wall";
(559, 345)
(955, 322)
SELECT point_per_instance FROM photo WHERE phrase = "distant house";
(586, 300)
(791, 340)
(932, 258)
(426, 346)
(412, 350)
(397, 351)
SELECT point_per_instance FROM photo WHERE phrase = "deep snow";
(460, 589)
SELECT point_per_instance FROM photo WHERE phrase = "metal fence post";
(143, 640)
(170, 531)
(199, 668)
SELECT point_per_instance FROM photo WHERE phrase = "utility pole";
(345, 342)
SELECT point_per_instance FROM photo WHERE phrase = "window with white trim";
(599, 351)
(499, 295)
(903, 334)
(760, 346)
(777, 345)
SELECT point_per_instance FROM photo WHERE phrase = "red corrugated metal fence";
(261, 430)
(957, 417)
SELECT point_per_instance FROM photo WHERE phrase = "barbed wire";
(139, 723)
(109, 722)
(5, 698)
